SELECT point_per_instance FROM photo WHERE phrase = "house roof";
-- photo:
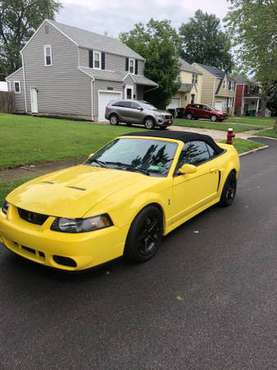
(239, 79)
(185, 66)
(10, 75)
(92, 40)
(116, 76)
(142, 80)
(213, 70)
(185, 88)
(103, 74)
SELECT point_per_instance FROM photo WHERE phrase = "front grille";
(168, 116)
(32, 217)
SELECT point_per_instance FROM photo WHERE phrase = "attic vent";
(46, 29)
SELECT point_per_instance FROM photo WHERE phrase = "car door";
(197, 111)
(137, 113)
(206, 111)
(123, 108)
(191, 192)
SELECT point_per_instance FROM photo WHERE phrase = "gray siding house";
(71, 72)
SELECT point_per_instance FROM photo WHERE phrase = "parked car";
(137, 112)
(195, 111)
(121, 201)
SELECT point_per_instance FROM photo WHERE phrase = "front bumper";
(40, 244)
(164, 122)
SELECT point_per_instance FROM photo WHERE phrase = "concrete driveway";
(207, 301)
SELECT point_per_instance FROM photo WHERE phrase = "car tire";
(229, 191)
(189, 116)
(145, 235)
(114, 119)
(213, 118)
(149, 123)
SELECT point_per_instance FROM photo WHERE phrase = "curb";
(254, 150)
(265, 137)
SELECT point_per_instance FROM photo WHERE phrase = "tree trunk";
(264, 101)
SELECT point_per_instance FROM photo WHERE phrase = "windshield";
(150, 157)
(147, 106)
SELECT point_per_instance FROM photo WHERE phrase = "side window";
(211, 151)
(196, 152)
(48, 55)
(135, 105)
(123, 104)
(17, 87)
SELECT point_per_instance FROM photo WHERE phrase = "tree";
(254, 26)
(159, 44)
(204, 41)
(18, 21)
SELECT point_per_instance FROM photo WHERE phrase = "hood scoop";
(48, 182)
(76, 188)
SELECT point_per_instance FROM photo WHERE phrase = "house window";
(96, 59)
(194, 78)
(132, 64)
(17, 87)
(48, 55)
(192, 99)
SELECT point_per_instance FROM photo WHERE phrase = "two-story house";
(218, 88)
(191, 87)
(71, 72)
(247, 97)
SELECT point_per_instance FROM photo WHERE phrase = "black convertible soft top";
(179, 135)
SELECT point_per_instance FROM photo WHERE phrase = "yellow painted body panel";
(86, 191)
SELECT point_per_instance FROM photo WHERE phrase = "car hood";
(73, 192)
(161, 112)
(218, 112)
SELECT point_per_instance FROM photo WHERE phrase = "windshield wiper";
(128, 167)
(100, 163)
(134, 169)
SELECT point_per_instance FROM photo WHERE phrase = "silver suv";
(137, 112)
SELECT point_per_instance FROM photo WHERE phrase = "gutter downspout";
(24, 81)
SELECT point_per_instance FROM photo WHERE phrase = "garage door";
(104, 97)
(219, 105)
(175, 103)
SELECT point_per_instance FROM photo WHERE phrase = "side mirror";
(187, 169)
(140, 108)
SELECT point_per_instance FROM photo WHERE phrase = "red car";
(195, 111)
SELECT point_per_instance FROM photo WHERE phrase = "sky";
(115, 16)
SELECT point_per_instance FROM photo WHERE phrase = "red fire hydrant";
(230, 136)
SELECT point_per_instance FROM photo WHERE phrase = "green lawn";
(268, 133)
(243, 146)
(239, 124)
(28, 140)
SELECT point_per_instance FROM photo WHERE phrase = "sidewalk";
(215, 134)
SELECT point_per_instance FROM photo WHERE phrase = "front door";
(34, 100)
(191, 192)
(129, 92)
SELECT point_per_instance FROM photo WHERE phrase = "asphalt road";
(207, 301)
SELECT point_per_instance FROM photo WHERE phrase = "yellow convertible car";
(121, 201)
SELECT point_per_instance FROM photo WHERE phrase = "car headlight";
(5, 207)
(81, 225)
(160, 116)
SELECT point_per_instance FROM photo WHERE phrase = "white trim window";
(48, 57)
(132, 66)
(97, 59)
(17, 87)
